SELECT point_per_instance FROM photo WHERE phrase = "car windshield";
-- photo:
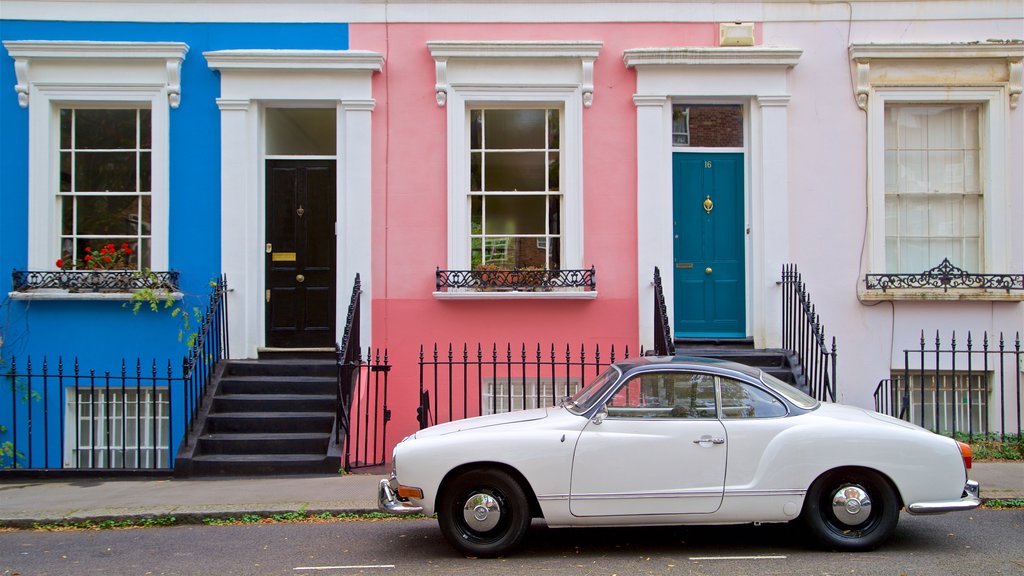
(584, 399)
(792, 394)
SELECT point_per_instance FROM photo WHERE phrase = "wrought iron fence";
(521, 280)
(487, 380)
(70, 417)
(362, 394)
(804, 335)
(664, 345)
(969, 388)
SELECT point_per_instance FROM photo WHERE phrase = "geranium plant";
(109, 257)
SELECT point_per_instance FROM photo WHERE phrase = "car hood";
(484, 422)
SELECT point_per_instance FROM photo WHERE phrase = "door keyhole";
(300, 211)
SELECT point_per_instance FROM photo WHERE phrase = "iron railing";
(458, 384)
(521, 280)
(93, 280)
(955, 389)
(664, 344)
(362, 391)
(945, 276)
(78, 418)
(804, 335)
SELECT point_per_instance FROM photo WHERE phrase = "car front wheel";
(484, 513)
(851, 510)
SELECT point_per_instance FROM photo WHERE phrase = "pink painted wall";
(410, 201)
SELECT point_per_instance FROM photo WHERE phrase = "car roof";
(681, 362)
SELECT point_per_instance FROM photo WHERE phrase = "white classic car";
(677, 441)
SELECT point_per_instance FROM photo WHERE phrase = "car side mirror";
(600, 416)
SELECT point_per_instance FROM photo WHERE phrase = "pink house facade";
(856, 140)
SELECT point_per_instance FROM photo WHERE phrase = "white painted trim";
(52, 75)
(251, 80)
(372, 11)
(59, 294)
(760, 83)
(531, 73)
(522, 55)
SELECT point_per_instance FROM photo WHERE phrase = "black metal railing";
(93, 280)
(804, 335)
(474, 381)
(71, 417)
(664, 344)
(362, 390)
(210, 346)
(970, 388)
(945, 276)
(521, 280)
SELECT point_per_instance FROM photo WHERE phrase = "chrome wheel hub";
(851, 505)
(481, 512)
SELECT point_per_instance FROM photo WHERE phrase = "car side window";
(665, 395)
(741, 400)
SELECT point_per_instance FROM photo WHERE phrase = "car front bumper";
(388, 500)
(970, 500)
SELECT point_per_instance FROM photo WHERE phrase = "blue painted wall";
(101, 333)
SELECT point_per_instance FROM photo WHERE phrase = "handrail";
(348, 359)
(210, 346)
(664, 345)
(804, 335)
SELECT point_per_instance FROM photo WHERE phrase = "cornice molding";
(27, 52)
(444, 51)
(863, 55)
(295, 60)
(711, 56)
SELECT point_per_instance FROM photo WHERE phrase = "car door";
(657, 447)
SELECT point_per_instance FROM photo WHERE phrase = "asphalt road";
(983, 542)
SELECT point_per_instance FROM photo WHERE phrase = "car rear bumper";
(388, 501)
(970, 500)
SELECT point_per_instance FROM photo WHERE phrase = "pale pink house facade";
(864, 138)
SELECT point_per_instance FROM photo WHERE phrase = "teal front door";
(708, 245)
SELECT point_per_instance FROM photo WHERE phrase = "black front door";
(300, 253)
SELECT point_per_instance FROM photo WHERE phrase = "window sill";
(60, 294)
(932, 294)
(459, 294)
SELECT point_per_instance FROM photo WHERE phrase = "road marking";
(372, 566)
(737, 558)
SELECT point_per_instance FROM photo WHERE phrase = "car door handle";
(705, 439)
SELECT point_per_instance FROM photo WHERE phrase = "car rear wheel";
(484, 513)
(851, 510)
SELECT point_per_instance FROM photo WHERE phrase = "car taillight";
(966, 454)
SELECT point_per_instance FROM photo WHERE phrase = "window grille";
(117, 428)
(961, 401)
(549, 394)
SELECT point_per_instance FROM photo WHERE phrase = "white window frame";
(985, 74)
(78, 411)
(502, 74)
(54, 75)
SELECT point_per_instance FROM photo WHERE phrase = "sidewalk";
(27, 502)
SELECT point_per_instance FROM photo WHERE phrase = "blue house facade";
(111, 163)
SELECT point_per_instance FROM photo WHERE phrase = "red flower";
(106, 258)
(127, 250)
(88, 257)
(103, 250)
(88, 249)
(60, 263)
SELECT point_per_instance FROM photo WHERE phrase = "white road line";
(737, 558)
(378, 566)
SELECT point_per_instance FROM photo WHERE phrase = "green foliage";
(158, 296)
(999, 504)
(152, 522)
(994, 446)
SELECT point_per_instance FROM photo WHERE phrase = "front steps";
(783, 364)
(270, 416)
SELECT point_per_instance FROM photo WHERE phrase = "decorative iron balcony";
(94, 280)
(945, 276)
(521, 280)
